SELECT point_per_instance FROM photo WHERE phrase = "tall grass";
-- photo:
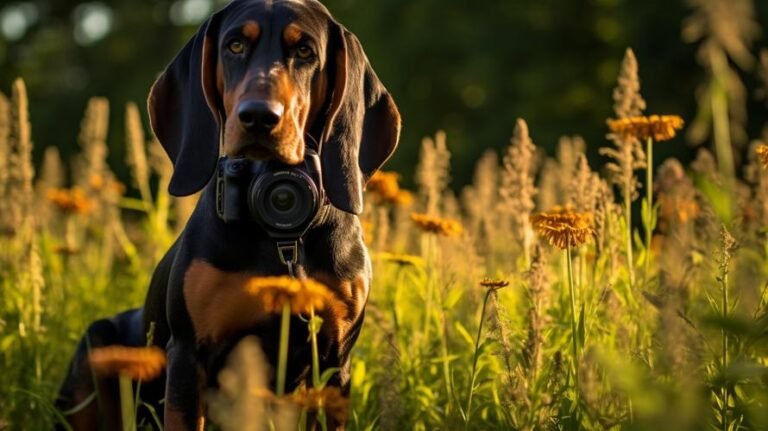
(575, 341)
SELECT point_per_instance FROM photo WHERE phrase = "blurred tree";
(470, 68)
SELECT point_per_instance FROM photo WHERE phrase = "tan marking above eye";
(292, 34)
(251, 30)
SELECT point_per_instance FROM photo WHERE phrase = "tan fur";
(292, 34)
(217, 302)
(251, 30)
(219, 307)
(351, 295)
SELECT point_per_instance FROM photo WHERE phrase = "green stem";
(126, 403)
(446, 366)
(315, 356)
(574, 335)
(282, 358)
(720, 121)
(724, 412)
(428, 253)
(628, 218)
(475, 358)
(649, 207)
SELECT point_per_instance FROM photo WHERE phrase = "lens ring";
(283, 201)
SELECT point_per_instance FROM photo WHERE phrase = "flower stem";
(649, 206)
(315, 356)
(628, 218)
(475, 358)
(724, 409)
(574, 335)
(282, 359)
(720, 118)
(126, 403)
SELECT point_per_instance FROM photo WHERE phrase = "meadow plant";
(573, 341)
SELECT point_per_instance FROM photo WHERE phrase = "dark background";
(468, 67)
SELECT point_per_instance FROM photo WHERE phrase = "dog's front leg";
(183, 403)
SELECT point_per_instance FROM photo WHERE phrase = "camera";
(283, 199)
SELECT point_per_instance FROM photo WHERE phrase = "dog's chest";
(221, 304)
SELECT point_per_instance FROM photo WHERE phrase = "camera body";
(283, 199)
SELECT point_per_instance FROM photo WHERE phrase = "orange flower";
(403, 199)
(384, 185)
(70, 200)
(110, 185)
(303, 295)
(563, 227)
(138, 363)
(65, 250)
(400, 259)
(762, 154)
(493, 284)
(328, 398)
(658, 127)
(437, 225)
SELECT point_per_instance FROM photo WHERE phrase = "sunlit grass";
(574, 341)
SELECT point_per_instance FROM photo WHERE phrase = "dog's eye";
(236, 46)
(304, 52)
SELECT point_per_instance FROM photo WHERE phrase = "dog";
(260, 80)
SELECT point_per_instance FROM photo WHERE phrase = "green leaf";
(463, 332)
(327, 374)
(452, 298)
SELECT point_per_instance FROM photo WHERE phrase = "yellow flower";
(493, 284)
(138, 363)
(437, 225)
(70, 200)
(328, 398)
(303, 295)
(762, 154)
(658, 127)
(563, 227)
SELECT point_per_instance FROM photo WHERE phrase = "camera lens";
(283, 197)
(284, 201)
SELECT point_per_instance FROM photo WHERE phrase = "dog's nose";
(259, 115)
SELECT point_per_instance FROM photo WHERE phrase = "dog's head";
(257, 79)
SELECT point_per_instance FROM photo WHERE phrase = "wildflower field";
(554, 292)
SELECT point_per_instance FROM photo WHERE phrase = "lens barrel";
(284, 201)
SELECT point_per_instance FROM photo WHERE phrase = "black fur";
(358, 129)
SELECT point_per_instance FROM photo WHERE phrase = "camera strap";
(288, 251)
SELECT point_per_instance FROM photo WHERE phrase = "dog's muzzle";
(283, 199)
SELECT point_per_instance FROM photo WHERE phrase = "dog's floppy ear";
(362, 125)
(183, 111)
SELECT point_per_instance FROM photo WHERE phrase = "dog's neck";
(246, 246)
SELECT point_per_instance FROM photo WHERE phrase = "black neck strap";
(288, 252)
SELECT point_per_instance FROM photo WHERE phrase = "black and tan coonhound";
(260, 79)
